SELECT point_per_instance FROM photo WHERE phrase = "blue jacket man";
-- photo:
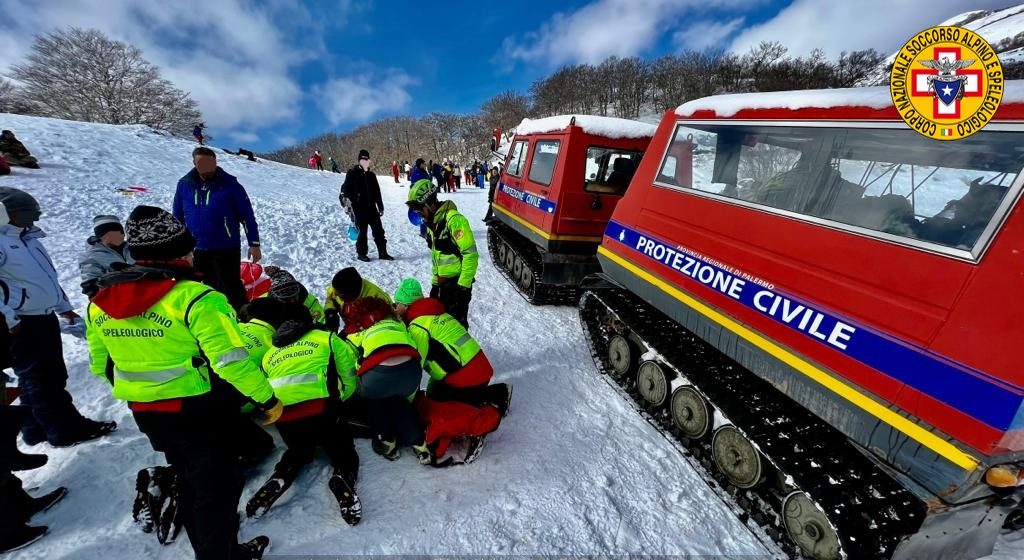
(212, 204)
(418, 172)
(30, 300)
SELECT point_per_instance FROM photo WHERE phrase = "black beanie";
(103, 224)
(363, 154)
(347, 282)
(153, 234)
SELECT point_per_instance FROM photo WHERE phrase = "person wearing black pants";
(361, 193)
(455, 298)
(212, 204)
(193, 440)
(219, 269)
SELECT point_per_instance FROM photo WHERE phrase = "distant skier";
(394, 170)
(317, 161)
(419, 171)
(334, 166)
(197, 132)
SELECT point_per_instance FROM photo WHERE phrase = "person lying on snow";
(459, 404)
(346, 287)
(389, 376)
(313, 373)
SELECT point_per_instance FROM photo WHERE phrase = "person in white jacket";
(30, 300)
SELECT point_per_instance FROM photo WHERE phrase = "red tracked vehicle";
(824, 307)
(563, 177)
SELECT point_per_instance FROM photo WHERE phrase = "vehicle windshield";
(880, 181)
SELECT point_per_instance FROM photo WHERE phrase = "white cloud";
(701, 35)
(244, 137)
(837, 26)
(604, 28)
(235, 58)
(357, 98)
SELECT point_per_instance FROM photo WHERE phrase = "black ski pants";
(370, 220)
(386, 391)
(327, 431)
(455, 299)
(42, 376)
(219, 269)
(481, 395)
(195, 442)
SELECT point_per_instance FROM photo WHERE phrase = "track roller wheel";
(736, 457)
(652, 383)
(510, 257)
(691, 413)
(621, 355)
(517, 267)
(526, 280)
(810, 528)
(501, 248)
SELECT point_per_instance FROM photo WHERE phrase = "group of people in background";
(201, 357)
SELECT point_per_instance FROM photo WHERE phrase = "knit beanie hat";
(103, 224)
(17, 200)
(363, 154)
(153, 234)
(408, 291)
(347, 283)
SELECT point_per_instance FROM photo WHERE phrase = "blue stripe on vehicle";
(534, 200)
(973, 392)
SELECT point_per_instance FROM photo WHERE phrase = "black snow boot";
(343, 486)
(21, 537)
(26, 461)
(256, 548)
(280, 481)
(363, 258)
(46, 501)
(474, 445)
(500, 396)
(166, 511)
(87, 431)
(387, 449)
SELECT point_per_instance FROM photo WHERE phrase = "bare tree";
(7, 92)
(505, 110)
(82, 75)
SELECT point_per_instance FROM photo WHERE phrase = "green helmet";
(408, 291)
(421, 192)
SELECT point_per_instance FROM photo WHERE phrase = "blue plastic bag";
(353, 232)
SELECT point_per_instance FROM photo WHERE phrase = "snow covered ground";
(573, 470)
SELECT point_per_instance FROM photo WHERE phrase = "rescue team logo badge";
(946, 82)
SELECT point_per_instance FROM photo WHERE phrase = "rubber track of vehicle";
(870, 511)
(543, 294)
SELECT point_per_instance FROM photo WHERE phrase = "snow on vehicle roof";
(608, 127)
(872, 97)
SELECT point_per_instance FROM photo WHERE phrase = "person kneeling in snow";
(165, 342)
(459, 403)
(313, 373)
(389, 376)
(348, 286)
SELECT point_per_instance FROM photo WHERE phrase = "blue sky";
(269, 73)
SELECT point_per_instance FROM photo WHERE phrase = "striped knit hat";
(155, 235)
(103, 224)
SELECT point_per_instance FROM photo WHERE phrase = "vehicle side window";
(516, 158)
(542, 166)
(610, 170)
(890, 183)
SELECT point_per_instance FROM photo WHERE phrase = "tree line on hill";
(622, 87)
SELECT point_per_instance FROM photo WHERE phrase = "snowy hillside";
(573, 470)
(1003, 29)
